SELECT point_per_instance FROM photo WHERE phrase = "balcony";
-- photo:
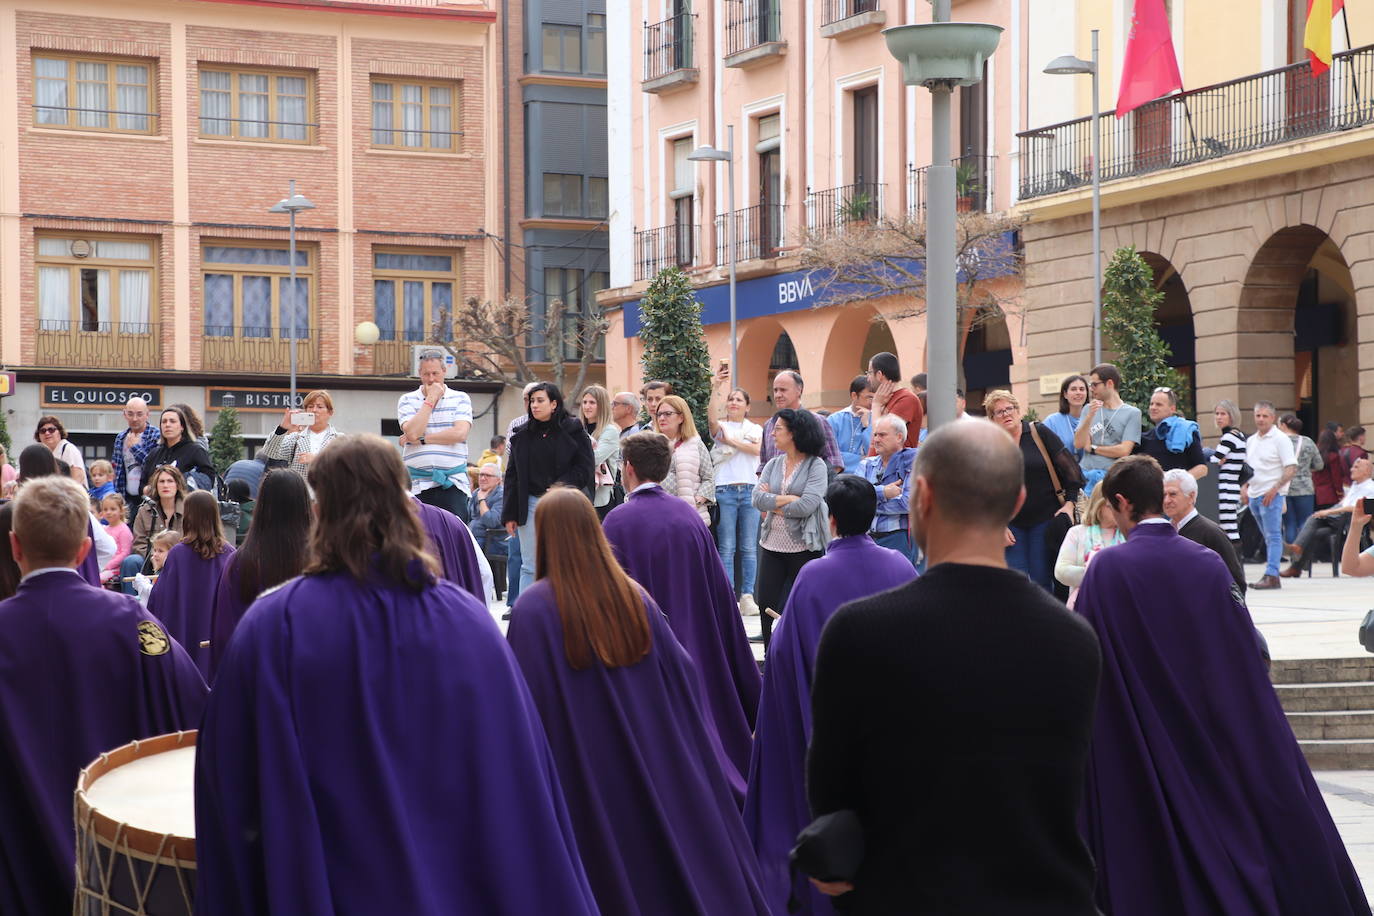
(836, 208)
(668, 246)
(759, 233)
(847, 18)
(973, 176)
(753, 32)
(98, 344)
(668, 54)
(1250, 113)
(255, 350)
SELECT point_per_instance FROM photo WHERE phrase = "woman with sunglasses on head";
(1173, 441)
(52, 434)
(177, 447)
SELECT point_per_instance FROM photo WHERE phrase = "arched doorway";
(1174, 317)
(987, 357)
(758, 350)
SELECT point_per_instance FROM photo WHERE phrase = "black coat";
(1209, 534)
(574, 466)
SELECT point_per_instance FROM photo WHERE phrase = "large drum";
(135, 830)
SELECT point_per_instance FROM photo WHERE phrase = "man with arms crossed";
(435, 421)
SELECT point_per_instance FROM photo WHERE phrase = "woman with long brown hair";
(370, 692)
(642, 771)
(185, 591)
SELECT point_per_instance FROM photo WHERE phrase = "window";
(562, 48)
(416, 116)
(95, 285)
(562, 194)
(683, 196)
(415, 287)
(256, 105)
(596, 43)
(598, 197)
(577, 289)
(93, 94)
(248, 291)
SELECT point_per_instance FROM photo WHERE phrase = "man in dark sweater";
(1180, 505)
(967, 772)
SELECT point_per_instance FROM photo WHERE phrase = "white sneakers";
(747, 607)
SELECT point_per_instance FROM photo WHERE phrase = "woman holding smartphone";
(297, 443)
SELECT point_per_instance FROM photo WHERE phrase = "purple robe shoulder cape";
(1198, 799)
(655, 816)
(82, 671)
(453, 548)
(666, 547)
(226, 611)
(776, 809)
(90, 564)
(184, 596)
(373, 749)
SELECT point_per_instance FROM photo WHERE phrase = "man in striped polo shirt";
(435, 421)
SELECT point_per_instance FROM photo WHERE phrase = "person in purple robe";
(666, 547)
(370, 745)
(453, 548)
(775, 809)
(82, 671)
(274, 550)
(1198, 799)
(655, 816)
(184, 594)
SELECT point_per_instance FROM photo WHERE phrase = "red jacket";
(906, 405)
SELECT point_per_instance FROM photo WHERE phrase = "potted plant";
(857, 208)
(966, 186)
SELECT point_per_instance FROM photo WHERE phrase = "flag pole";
(1354, 82)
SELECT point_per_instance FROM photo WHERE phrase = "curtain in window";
(440, 117)
(50, 89)
(442, 296)
(233, 254)
(134, 290)
(54, 247)
(413, 115)
(92, 94)
(216, 104)
(384, 308)
(254, 107)
(413, 293)
(389, 260)
(131, 95)
(219, 305)
(124, 251)
(382, 135)
(301, 302)
(54, 298)
(291, 107)
(257, 306)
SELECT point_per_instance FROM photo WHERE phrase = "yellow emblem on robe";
(152, 639)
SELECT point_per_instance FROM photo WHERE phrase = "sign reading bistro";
(97, 396)
(273, 400)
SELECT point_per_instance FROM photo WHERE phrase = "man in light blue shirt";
(853, 426)
(890, 473)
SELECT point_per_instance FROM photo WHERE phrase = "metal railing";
(835, 208)
(750, 23)
(759, 233)
(973, 176)
(668, 45)
(667, 246)
(99, 345)
(839, 10)
(1252, 112)
(255, 349)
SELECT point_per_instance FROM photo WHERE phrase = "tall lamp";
(727, 155)
(292, 204)
(1068, 65)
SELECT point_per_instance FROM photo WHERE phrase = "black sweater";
(187, 455)
(564, 456)
(954, 715)
(1041, 500)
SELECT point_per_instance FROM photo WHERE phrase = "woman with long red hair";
(641, 768)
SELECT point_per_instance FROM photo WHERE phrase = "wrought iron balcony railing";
(759, 233)
(973, 176)
(839, 10)
(255, 349)
(667, 246)
(1256, 111)
(668, 45)
(750, 23)
(99, 344)
(834, 208)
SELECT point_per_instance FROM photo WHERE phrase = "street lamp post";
(727, 155)
(1070, 65)
(292, 204)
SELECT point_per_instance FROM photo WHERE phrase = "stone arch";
(757, 339)
(855, 329)
(1174, 315)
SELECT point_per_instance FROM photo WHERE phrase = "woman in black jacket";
(180, 450)
(551, 449)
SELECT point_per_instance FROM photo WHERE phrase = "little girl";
(112, 514)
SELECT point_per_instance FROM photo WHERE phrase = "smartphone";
(1368, 506)
(302, 418)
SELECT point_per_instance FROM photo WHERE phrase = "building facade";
(143, 145)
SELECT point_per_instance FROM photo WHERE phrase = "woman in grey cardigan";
(791, 497)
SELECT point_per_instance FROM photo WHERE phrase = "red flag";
(1316, 36)
(1151, 68)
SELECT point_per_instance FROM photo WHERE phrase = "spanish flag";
(1316, 38)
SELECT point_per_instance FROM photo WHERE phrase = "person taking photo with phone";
(303, 433)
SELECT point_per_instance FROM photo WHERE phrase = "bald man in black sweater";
(954, 714)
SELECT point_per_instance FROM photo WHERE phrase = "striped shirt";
(1229, 457)
(453, 406)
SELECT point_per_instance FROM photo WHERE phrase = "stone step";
(1332, 726)
(1321, 670)
(1328, 696)
(1354, 754)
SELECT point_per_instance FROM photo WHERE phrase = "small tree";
(674, 346)
(226, 439)
(1129, 301)
(5, 431)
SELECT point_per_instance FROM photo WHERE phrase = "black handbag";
(1367, 632)
(830, 848)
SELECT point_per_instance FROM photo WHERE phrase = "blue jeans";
(130, 566)
(1299, 510)
(897, 540)
(1029, 555)
(512, 570)
(739, 525)
(526, 534)
(1270, 521)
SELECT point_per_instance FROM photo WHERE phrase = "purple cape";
(74, 683)
(453, 549)
(666, 547)
(226, 611)
(373, 749)
(655, 816)
(1198, 799)
(90, 565)
(183, 596)
(776, 809)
